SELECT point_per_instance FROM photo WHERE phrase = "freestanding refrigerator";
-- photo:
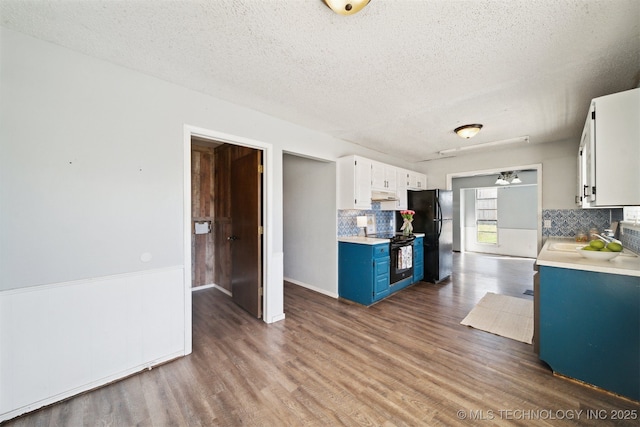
(434, 218)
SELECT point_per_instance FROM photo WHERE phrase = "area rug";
(503, 315)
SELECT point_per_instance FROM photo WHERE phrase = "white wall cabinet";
(417, 181)
(358, 177)
(353, 182)
(402, 181)
(586, 165)
(401, 191)
(383, 177)
(608, 172)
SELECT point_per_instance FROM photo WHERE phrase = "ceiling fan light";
(468, 131)
(346, 7)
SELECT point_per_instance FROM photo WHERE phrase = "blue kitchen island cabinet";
(590, 327)
(363, 272)
(418, 259)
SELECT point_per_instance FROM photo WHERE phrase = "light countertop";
(627, 264)
(368, 240)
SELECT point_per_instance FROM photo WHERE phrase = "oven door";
(401, 261)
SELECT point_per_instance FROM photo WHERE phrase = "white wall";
(91, 185)
(559, 168)
(310, 251)
(92, 163)
(511, 242)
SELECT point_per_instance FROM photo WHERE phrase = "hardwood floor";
(404, 361)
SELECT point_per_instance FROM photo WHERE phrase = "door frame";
(268, 315)
(495, 171)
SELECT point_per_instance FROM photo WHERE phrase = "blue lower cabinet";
(381, 277)
(363, 272)
(418, 259)
(590, 327)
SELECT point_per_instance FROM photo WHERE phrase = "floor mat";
(503, 315)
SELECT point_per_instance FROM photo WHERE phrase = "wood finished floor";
(404, 361)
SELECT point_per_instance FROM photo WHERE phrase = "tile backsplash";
(347, 220)
(564, 223)
(631, 237)
(568, 222)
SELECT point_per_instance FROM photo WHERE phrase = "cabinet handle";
(584, 191)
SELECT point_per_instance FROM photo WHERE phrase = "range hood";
(383, 196)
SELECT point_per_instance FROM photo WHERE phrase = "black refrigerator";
(434, 218)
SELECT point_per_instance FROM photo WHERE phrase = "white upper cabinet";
(403, 185)
(417, 181)
(609, 157)
(359, 178)
(383, 177)
(353, 183)
(586, 166)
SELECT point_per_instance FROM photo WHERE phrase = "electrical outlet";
(547, 223)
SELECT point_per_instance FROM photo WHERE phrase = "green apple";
(614, 247)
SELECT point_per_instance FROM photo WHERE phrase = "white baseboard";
(212, 285)
(311, 287)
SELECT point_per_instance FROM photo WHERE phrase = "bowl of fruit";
(597, 249)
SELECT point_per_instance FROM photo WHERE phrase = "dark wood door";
(246, 238)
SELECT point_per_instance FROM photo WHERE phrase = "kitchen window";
(487, 215)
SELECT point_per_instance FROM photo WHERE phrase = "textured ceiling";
(397, 77)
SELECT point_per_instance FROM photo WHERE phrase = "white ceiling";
(397, 77)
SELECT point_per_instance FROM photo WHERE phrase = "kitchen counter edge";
(368, 240)
(627, 266)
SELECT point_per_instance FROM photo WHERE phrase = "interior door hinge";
(260, 290)
(260, 169)
(260, 230)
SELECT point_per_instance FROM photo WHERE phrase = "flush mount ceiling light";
(346, 7)
(506, 178)
(468, 131)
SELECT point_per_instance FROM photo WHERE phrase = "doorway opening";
(226, 209)
(498, 219)
(268, 270)
(309, 210)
